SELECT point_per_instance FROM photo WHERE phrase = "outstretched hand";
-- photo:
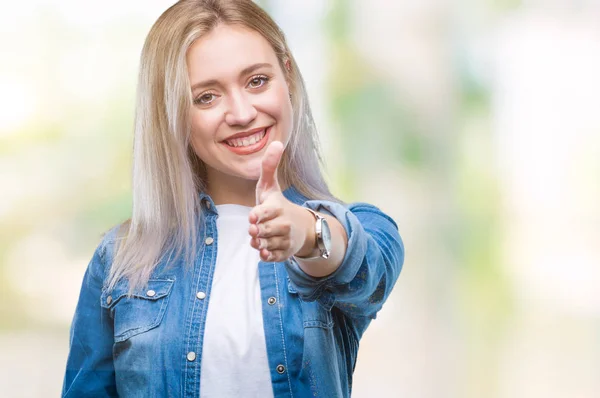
(278, 227)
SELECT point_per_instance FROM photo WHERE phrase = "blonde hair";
(167, 174)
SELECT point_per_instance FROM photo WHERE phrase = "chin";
(252, 171)
(253, 177)
(244, 175)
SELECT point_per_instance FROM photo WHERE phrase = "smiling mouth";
(246, 141)
(249, 144)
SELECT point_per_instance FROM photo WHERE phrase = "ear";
(287, 62)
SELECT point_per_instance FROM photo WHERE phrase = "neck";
(232, 190)
(227, 189)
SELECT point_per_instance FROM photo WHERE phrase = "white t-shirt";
(234, 354)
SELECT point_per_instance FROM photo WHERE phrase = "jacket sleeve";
(370, 268)
(90, 370)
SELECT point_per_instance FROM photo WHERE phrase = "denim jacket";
(150, 345)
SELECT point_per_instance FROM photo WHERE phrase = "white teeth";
(246, 141)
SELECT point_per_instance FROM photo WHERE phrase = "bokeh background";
(475, 124)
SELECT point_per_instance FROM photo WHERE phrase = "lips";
(245, 133)
(248, 142)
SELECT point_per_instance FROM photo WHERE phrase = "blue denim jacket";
(150, 345)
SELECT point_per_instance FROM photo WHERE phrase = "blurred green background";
(475, 125)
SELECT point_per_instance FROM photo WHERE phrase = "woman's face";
(240, 101)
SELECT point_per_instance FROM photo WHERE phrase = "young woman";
(239, 274)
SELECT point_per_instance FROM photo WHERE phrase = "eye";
(258, 81)
(205, 99)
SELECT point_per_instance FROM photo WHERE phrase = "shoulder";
(104, 254)
(111, 237)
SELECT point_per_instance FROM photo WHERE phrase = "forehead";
(225, 51)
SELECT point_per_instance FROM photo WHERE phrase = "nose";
(240, 111)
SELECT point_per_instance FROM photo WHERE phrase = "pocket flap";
(155, 290)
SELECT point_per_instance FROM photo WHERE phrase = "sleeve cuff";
(310, 287)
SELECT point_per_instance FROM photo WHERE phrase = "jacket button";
(109, 300)
(191, 356)
(280, 369)
(271, 300)
(150, 293)
(201, 295)
(209, 241)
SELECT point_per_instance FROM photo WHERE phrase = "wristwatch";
(322, 237)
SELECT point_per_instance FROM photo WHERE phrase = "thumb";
(268, 171)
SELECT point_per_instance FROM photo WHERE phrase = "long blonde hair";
(167, 174)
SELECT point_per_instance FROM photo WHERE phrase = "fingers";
(253, 230)
(268, 172)
(275, 242)
(263, 213)
(270, 161)
(275, 255)
(255, 243)
(272, 249)
(269, 229)
(272, 228)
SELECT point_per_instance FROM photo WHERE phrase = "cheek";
(286, 120)
(288, 116)
(280, 108)
(203, 131)
(204, 126)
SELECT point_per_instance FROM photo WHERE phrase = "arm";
(308, 256)
(364, 265)
(90, 370)
(371, 264)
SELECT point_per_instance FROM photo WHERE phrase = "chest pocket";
(315, 314)
(140, 312)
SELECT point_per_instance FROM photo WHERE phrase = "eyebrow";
(245, 71)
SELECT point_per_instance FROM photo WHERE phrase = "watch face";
(326, 234)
